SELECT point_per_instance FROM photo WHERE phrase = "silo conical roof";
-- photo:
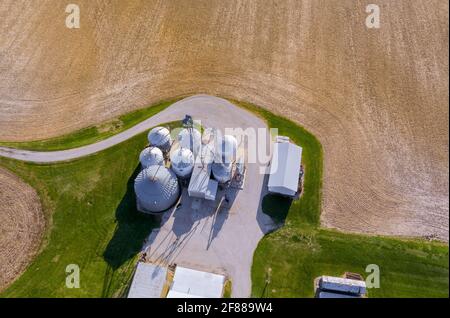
(160, 137)
(221, 172)
(226, 149)
(191, 139)
(151, 156)
(156, 189)
(182, 161)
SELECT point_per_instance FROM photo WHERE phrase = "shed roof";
(148, 281)
(200, 185)
(175, 294)
(190, 283)
(285, 168)
(343, 285)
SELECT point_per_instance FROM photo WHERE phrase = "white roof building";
(201, 185)
(148, 281)
(342, 285)
(285, 168)
(189, 283)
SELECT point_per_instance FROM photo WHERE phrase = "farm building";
(201, 185)
(190, 283)
(285, 168)
(340, 287)
(153, 281)
(148, 281)
(213, 161)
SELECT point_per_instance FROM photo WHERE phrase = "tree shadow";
(133, 227)
(270, 216)
(276, 206)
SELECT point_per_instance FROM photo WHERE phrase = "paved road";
(218, 111)
(198, 238)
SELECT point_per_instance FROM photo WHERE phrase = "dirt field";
(21, 226)
(376, 99)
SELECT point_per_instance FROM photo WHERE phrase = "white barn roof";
(148, 281)
(343, 285)
(175, 294)
(285, 168)
(198, 185)
(201, 186)
(190, 283)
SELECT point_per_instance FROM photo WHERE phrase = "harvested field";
(376, 99)
(21, 226)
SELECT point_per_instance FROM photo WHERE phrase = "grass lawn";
(92, 221)
(92, 134)
(91, 210)
(290, 258)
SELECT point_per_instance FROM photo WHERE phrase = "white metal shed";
(342, 285)
(190, 283)
(285, 168)
(198, 185)
(148, 281)
(201, 185)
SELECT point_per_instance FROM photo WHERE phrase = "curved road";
(212, 111)
(199, 238)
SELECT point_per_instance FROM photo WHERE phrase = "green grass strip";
(90, 135)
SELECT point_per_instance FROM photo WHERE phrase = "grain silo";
(151, 156)
(226, 149)
(207, 154)
(191, 139)
(221, 172)
(156, 189)
(160, 137)
(182, 161)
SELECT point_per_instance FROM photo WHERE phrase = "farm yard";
(370, 108)
(376, 99)
(95, 223)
